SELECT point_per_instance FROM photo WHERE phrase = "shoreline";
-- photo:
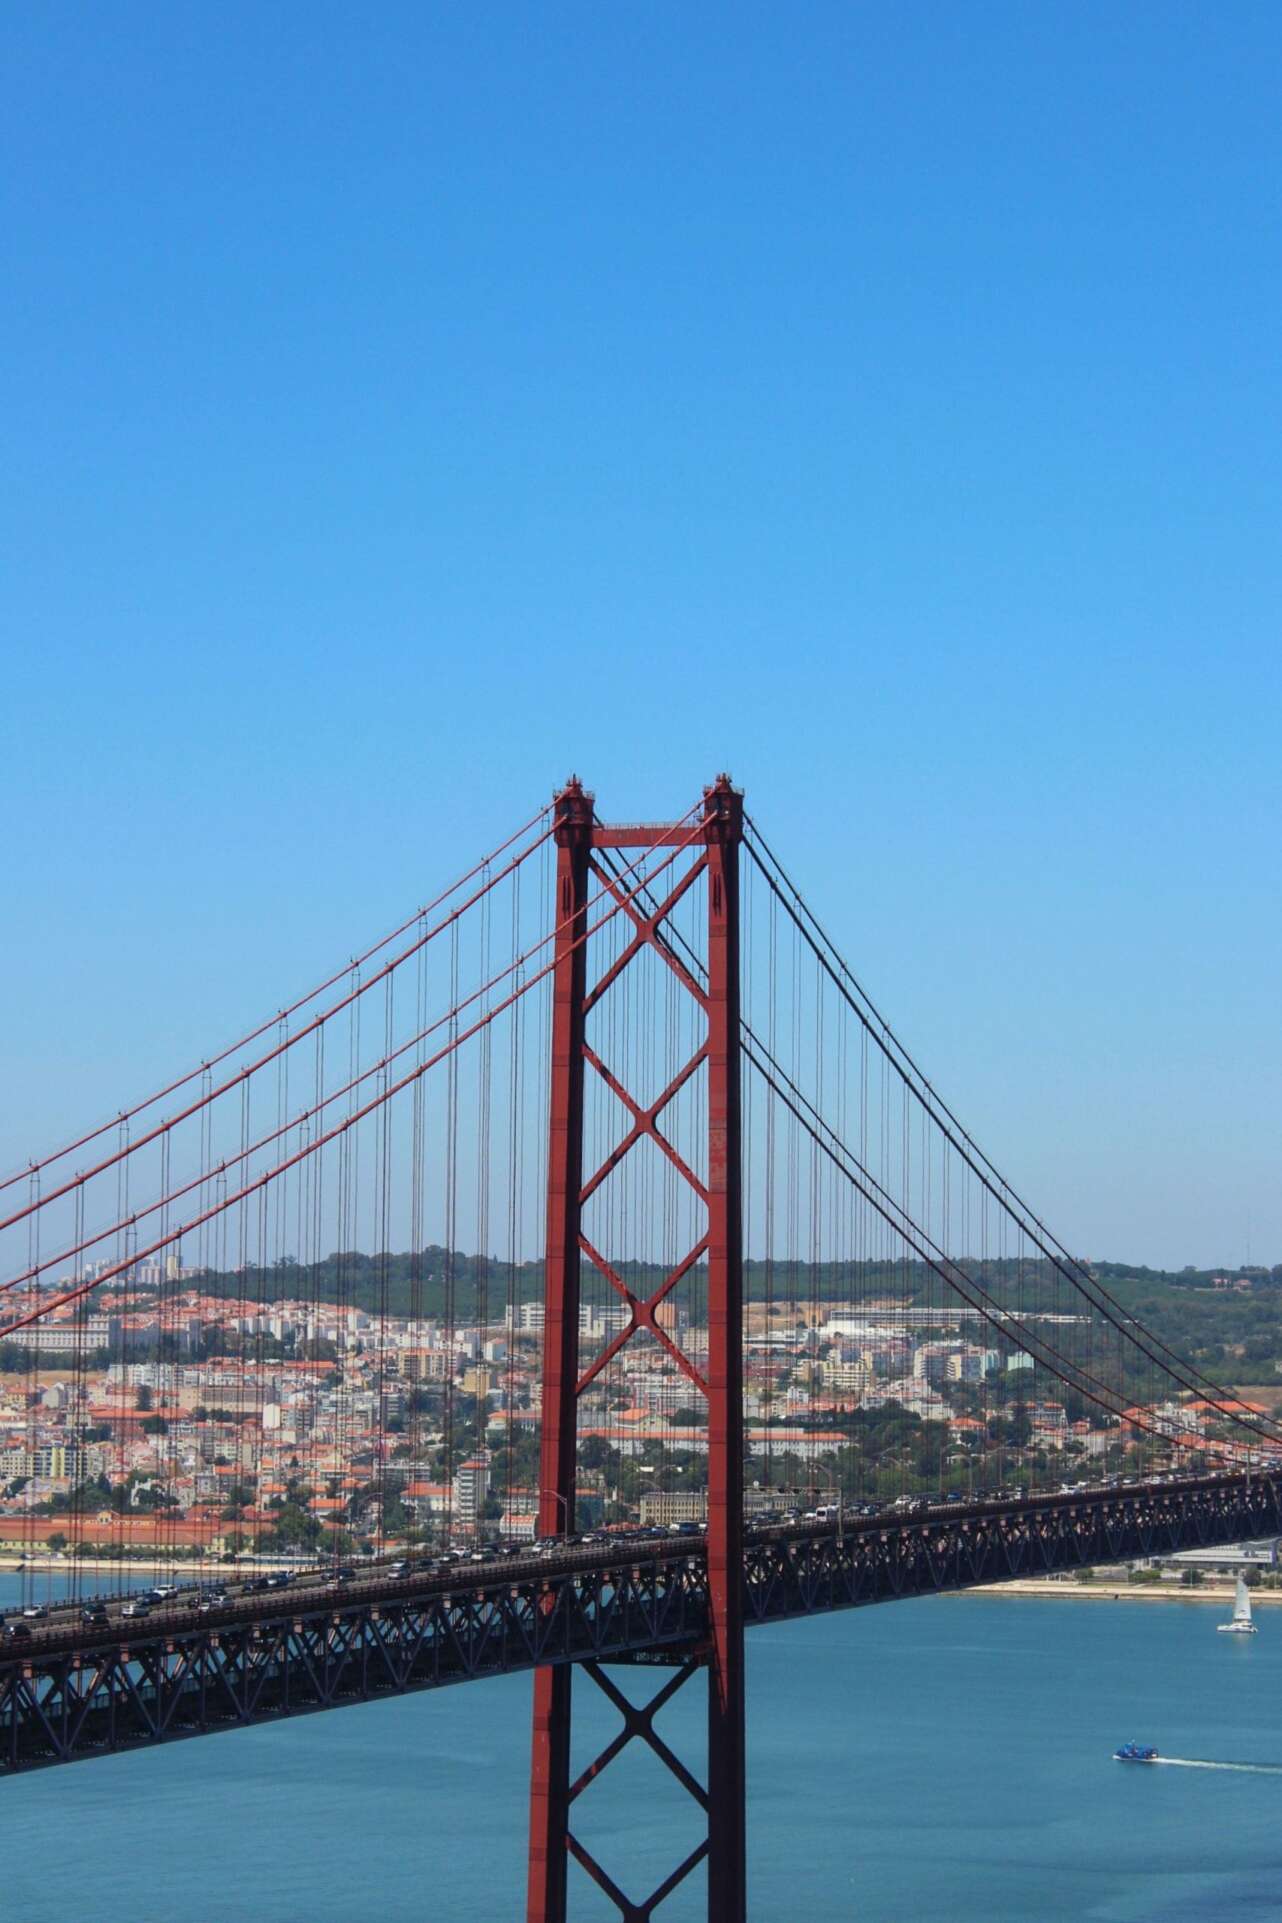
(149, 1566)
(1208, 1593)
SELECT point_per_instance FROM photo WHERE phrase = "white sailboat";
(1240, 1623)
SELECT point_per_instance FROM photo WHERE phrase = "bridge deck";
(71, 1692)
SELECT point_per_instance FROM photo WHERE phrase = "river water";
(947, 1758)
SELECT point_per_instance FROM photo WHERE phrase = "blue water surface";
(948, 1758)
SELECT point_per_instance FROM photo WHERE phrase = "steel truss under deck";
(83, 1693)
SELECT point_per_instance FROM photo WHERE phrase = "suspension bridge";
(579, 1276)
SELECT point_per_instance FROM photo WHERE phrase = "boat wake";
(1193, 1762)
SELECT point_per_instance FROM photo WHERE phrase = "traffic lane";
(250, 1602)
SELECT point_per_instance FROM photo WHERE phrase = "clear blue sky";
(405, 405)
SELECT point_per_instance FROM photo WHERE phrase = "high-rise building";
(471, 1486)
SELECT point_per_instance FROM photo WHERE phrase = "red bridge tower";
(714, 846)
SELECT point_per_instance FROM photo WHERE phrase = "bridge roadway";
(73, 1691)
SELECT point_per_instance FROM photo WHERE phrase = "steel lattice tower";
(578, 836)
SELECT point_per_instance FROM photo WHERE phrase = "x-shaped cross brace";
(647, 927)
(638, 1721)
(645, 1117)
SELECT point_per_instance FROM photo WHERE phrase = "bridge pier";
(549, 1796)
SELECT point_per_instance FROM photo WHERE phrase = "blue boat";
(1135, 1753)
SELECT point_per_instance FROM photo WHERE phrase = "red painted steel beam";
(642, 834)
(550, 1751)
(727, 1868)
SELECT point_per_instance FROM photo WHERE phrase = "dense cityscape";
(170, 1424)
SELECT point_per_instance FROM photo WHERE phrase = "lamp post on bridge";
(829, 1470)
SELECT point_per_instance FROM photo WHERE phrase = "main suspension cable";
(1051, 1249)
(340, 1129)
(283, 1014)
